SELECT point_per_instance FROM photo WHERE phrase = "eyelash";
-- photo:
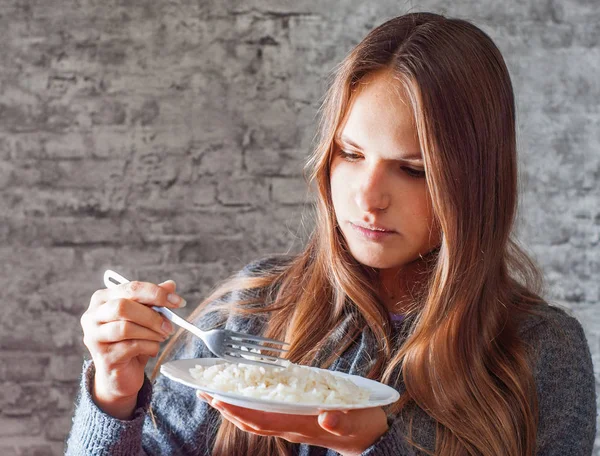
(412, 172)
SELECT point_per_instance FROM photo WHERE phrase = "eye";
(413, 172)
(348, 156)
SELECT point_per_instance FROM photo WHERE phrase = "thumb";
(168, 285)
(336, 423)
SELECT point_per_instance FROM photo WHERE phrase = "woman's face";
(378, 179)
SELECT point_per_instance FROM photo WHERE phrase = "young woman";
(410, 277)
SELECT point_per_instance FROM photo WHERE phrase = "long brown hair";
(463, 361)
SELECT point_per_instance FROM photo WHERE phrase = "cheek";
(339, 190)
(427, 228)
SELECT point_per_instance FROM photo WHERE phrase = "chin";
(381, 261)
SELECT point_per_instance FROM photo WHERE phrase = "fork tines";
(251, 355)
(235, 344)
(240, 336)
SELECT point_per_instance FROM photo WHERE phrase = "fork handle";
(112, 279)
(172, 316)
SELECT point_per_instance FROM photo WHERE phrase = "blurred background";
(166, 140)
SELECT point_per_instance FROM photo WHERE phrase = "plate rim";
(306, 407)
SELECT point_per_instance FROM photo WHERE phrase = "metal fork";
(226, 344)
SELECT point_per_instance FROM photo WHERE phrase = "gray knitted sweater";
(186, 425)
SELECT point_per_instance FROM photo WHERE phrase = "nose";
(371, 194)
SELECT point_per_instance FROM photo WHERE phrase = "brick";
(59, 297)
(54, 449)
(154, 168)
(290, 190)
(5, 148)
(64, 202)
(28, 146)
(24, 335)
(39, 395)
(214, 249)
(56, 427)
(65, 368)
(69, 145)
(147, 113)
(188, 276)
(275, 162)
(106, 112)
(8, 450)
(6, 172)
(65, 231)
(21, 112)
(69, 338)
(243, 191)
(29, 272)
(217, 157)
(198, 194)
(92, 174)
(57, 84)
(89, 173)
(32, 446)
(10, 392)
(10, 426)
(171, 140)
(186, 226)
(61, 396)
(117, 257)
(18, 367)
(31, 173)
(278, 125)
(275, 231)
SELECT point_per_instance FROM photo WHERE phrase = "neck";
(398, 286)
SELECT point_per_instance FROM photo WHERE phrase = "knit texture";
(187, 426)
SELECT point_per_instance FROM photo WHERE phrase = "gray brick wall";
(166, 140)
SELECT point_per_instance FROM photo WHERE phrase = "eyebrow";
(411, 157)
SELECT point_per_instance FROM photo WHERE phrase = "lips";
(373, 227)
(373, 234)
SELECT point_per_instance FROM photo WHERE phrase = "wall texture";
(166, 139)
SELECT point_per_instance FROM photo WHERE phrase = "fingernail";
(167, 327)
(331, 419)
(175, 299)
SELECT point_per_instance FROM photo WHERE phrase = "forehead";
(380, 111)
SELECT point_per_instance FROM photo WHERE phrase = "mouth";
(375, 228)
(373, 233)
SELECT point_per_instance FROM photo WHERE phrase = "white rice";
(294, 383)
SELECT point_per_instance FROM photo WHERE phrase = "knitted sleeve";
(391, 443)
(180, 423)
(566, 387)
(178, 426)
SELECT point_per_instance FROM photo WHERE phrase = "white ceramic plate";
(179, 371)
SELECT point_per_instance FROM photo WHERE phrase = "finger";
(168, 285)
(269, 421)
(132, 311)
(241, 425)
(116, 331)
(204, 396)
(122, 352)
(149, 293)
(330, 421)
(142, 292)
(293, 437)
(354, 422)
(316, 436)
